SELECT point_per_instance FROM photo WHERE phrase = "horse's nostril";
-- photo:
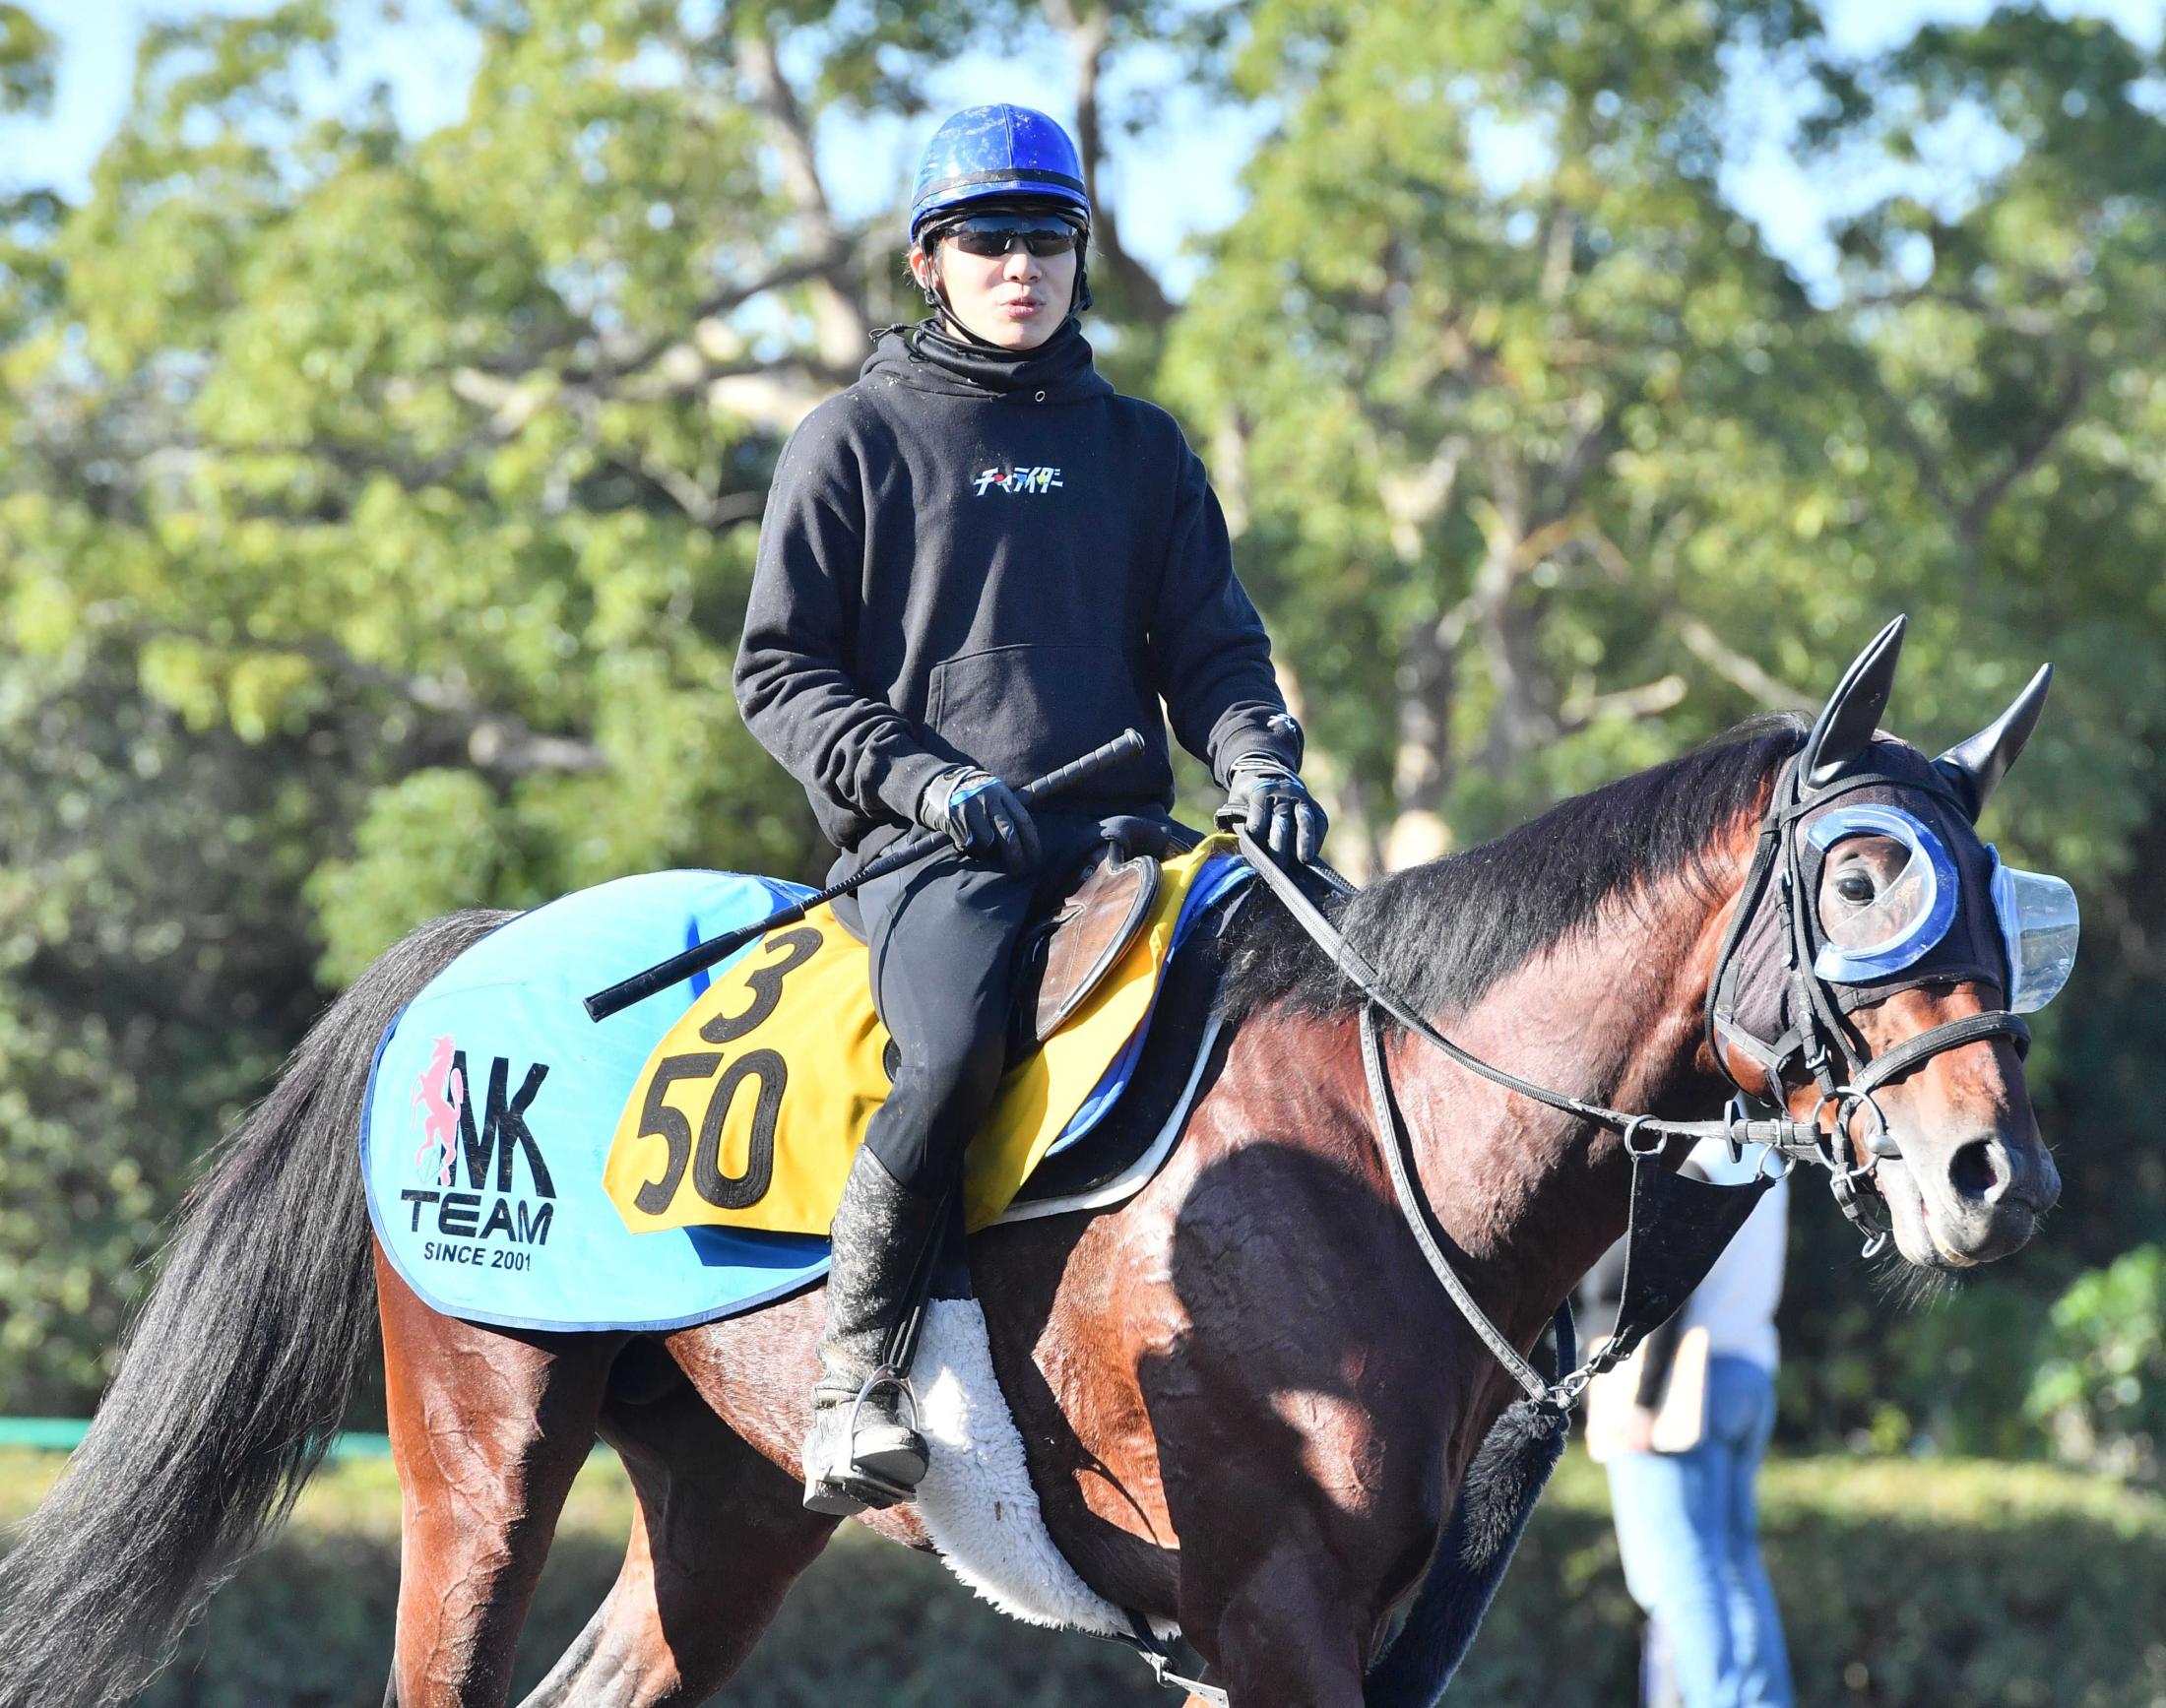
(1975, 1172)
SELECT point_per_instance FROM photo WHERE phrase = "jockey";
(978, 563)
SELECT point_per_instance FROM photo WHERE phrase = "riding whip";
(700, 956)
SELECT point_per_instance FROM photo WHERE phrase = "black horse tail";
(234, 1380)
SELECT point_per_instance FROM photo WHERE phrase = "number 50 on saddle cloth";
(748, 1111)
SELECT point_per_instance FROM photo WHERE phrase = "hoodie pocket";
(1023, 711)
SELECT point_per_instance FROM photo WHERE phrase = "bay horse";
(1248, 1406)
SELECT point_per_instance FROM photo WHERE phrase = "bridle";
(1816, 1043)
(1819, 1039)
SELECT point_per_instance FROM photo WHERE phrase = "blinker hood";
(1780, 986)
(1754, 1001)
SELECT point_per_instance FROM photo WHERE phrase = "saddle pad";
(753, 1103)
(491, 1102)
(562, 1258)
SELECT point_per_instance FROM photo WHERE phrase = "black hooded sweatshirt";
(973, 555)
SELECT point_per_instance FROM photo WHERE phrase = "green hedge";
(1904, 1584)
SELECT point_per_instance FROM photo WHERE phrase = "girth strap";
(1144, 1642)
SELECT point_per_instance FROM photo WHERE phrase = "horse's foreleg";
(488, 1431)
(1288, 1632)
(719, 1537)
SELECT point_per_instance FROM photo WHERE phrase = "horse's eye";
(1854, 887)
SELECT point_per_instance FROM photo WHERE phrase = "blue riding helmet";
(997, 153)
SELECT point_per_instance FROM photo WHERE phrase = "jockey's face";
(1016, 300)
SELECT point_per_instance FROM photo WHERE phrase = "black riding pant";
(943, 935)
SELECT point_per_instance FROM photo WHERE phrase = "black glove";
(1270, 803)
(981, 815)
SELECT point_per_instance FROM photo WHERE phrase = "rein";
(1646, 1305)
(1677, 1228)
(1645, 1137)
(1801, 1139)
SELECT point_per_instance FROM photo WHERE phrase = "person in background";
(1683, 1434)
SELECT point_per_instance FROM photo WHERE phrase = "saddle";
(1061, 962)
(749, 1107)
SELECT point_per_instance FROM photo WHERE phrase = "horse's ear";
(1974, 767)
(1853, 712)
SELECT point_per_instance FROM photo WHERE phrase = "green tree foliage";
(1512, 403)
(1473, 410)
(376, 510)
(25, 62)
(376, 514)
(2103, 1387)
(157, 968)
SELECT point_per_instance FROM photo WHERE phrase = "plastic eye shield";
(2039, 929)
(1908, 916)
(991, 235)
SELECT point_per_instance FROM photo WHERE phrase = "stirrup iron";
(878, 1477)
(857, 1483)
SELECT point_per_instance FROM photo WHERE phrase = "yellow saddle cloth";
(751, 1109)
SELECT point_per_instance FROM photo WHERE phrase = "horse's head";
(1879, 958)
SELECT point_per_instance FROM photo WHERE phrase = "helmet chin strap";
(937, 296)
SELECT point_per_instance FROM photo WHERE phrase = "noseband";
(1817, 1040)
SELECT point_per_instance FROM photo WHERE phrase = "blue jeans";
(1687, 1527)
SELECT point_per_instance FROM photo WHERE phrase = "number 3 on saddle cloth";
(751, 1107)
(532, 1169)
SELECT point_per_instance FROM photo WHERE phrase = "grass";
(1905, 1584)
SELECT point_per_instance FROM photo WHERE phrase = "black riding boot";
(864, 1449)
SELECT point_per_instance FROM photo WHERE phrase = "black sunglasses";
(991, 235)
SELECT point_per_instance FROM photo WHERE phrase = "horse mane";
(1445, 931)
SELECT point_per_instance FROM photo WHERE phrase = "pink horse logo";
(438, 1093)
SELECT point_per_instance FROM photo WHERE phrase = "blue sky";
(428, 59)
